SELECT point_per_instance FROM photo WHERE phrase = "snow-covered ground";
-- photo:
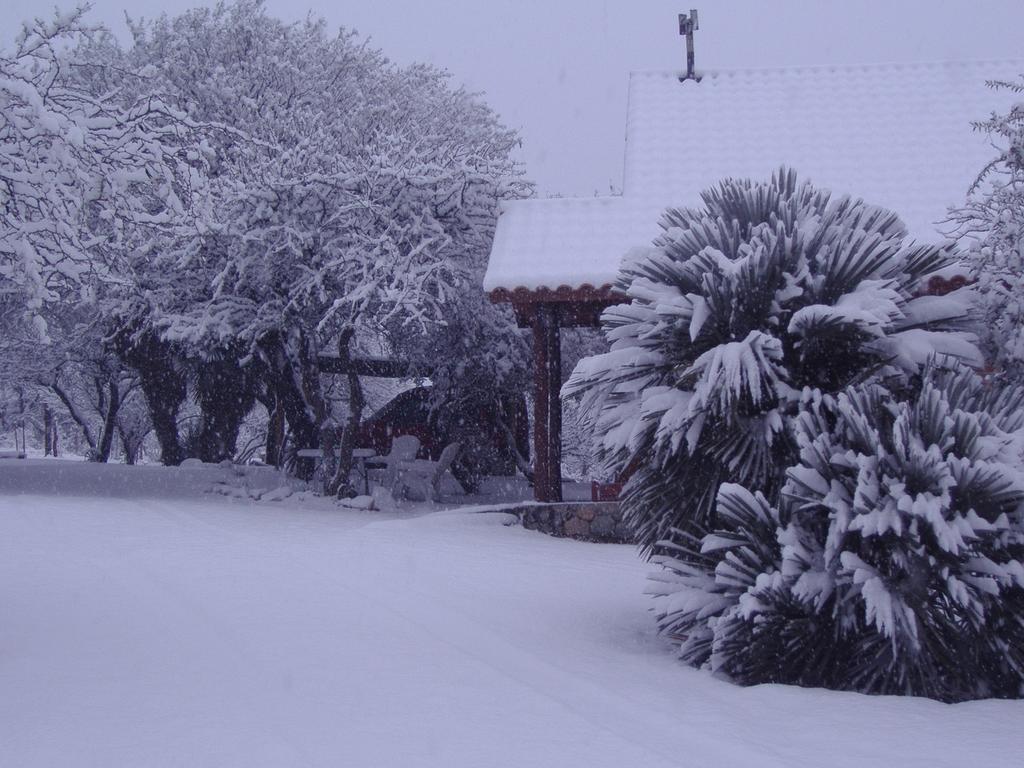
(160, 625)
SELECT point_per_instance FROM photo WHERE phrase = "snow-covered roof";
(567, 242)
(894, 134)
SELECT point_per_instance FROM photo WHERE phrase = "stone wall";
(585, 520)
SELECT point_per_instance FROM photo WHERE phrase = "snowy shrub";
(893, 562)
(772, 293)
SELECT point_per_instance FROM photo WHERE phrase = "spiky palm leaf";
(772, 292)
(894, 562)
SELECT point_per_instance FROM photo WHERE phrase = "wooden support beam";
(379, 367)
(577, 307)
(547, 404)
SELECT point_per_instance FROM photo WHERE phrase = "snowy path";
(205, 632)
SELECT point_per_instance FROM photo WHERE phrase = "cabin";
(897, 135)
(484, 432)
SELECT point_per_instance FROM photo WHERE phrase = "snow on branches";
(991, 224)
(232, 195)
(367, 195)
(81, 174)
(349, 203)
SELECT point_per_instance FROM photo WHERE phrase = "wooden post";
(547, 404)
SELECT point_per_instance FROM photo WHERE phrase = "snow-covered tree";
(82, 376)
(88, 176)
(580, 456)
(479, 370)
(81, 174)
(991, 225)
(77, 378)
(363, 200)
(771, 294)
(893, 562)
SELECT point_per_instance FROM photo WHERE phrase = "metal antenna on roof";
(687, 26)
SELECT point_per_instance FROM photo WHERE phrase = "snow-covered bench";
(12, 454)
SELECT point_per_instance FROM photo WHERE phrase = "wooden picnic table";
(361, 456)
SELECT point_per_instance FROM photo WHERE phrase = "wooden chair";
(426, 474)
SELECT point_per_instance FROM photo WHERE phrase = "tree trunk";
(113, 404)
(522, 459)
(294, 378)
(75, 415)
(164, 415)
(162, 383)
(275, 433)
(339, 484)
(24, 426)
(131, 442)
(164, 397)
(226, 393)
(49, 444)
(128, 449)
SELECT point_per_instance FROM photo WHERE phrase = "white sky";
(557, 69)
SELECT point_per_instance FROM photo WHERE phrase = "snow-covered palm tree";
(771, 294)
(893, 562)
